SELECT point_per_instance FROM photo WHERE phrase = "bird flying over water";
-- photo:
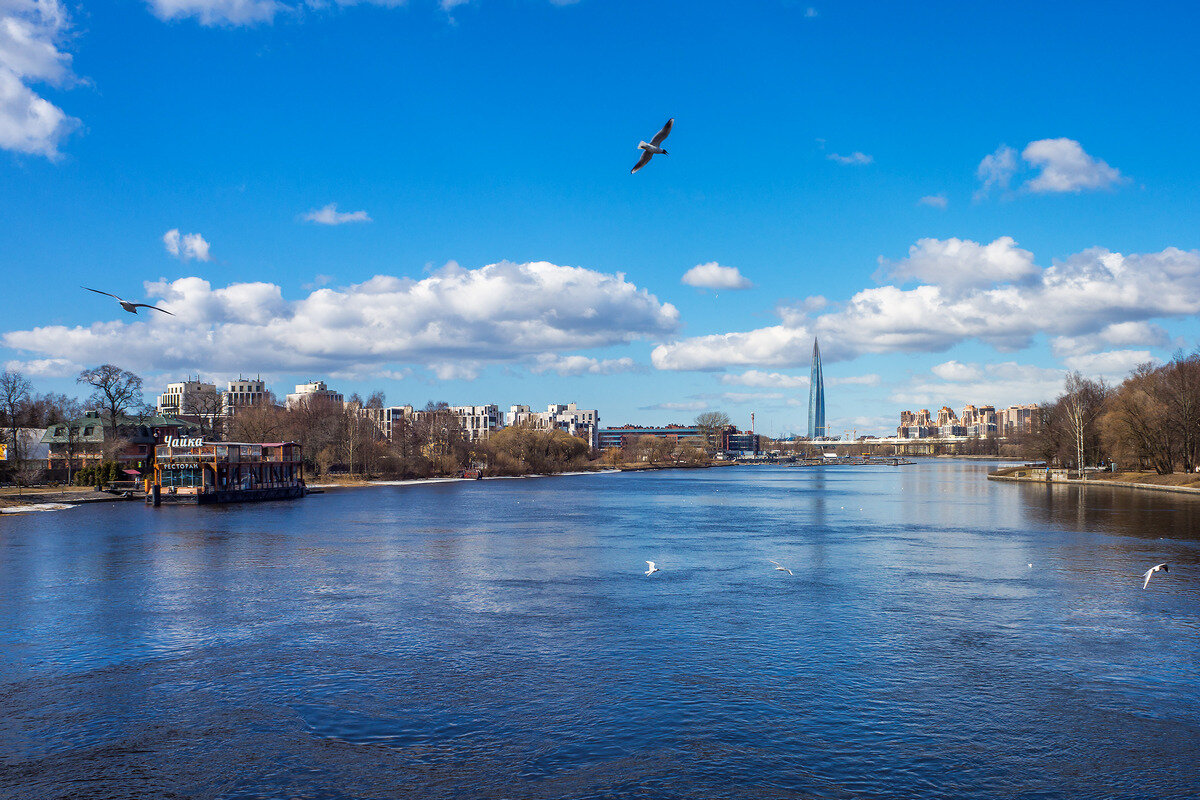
(780, 567)
(1151, 571)
(653, 148)
(653, 569)
(128, 306)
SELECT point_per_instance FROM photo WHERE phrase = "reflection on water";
(498, 639)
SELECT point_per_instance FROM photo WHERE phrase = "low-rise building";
(579, 422)
(90, 439)
(313, 391)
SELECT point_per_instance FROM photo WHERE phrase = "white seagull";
(1153, 570)
(780, 567)
(128, 306)
(653, 569)
(652, 148)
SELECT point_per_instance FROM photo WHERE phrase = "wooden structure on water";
(195, 471)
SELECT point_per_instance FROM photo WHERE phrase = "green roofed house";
(83, 441)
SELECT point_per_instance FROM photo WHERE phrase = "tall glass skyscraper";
(816, 398)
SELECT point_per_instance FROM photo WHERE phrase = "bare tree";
(710, 424)
(205, 406)
(14, 405)
(114, 389)
(1083, 402)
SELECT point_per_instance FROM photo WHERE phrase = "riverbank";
(57, 495)
(1177, 483)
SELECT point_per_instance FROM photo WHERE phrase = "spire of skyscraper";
(816, 398)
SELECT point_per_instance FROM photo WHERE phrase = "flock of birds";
(649, 150)
(653, 568)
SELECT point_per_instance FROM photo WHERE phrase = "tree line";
(1149, 421)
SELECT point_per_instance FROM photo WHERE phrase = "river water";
(498, 639)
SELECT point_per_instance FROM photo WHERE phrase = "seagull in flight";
(1153, 570)
(128, 306)
(653, 147)
(780, 567)
(653, 569)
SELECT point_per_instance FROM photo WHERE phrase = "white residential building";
(478, 422)
(308, 392)
(243, 393)
(189, 397)
(584, 423)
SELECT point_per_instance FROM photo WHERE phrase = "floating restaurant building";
(196, 471)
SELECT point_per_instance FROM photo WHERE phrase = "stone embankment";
(1178, 483)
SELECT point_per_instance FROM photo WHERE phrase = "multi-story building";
(189, 397)
(388, 421)
(477, 422)
(312, 392)
(620, 437)
(243, 393)
(1015, 420)
(578, 422)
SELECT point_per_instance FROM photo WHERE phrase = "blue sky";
(488, 147)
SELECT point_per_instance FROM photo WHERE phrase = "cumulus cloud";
(756, 377)
(1119, 334)
(454, 321)
(1114, 364)
(955, 264)
(1084, 295)
(187, 246)
(1065, 167)
(1062, 165)
(1002, 385)
(957, 371)
(44, 367)
(934, 200)
(31, 34)
(581, 365)
(329, 215)
(856, 159)
(713, 276)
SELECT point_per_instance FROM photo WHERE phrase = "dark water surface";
(498, 639)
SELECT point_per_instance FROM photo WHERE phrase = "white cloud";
(581, 365)
(1001, 385)
(453, 321)
(31, 32)
(1084, 295)
(773, 380)
(44, 367)
(811, 12)
(186, 247)
(955, 264)
(1062, 166)
(1116, 335)
(854, 380)
(855, 158)
(742, 398)
(687, 405)
(934, 200)
(218, 12)
(329, 215)
(1065, 167)
(957, 371)
(1113, 364)
(713, 276)
(996, 170)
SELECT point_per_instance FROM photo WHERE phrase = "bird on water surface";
(652, 568)
(1151, 571)
(128, 306)
(653, 147)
